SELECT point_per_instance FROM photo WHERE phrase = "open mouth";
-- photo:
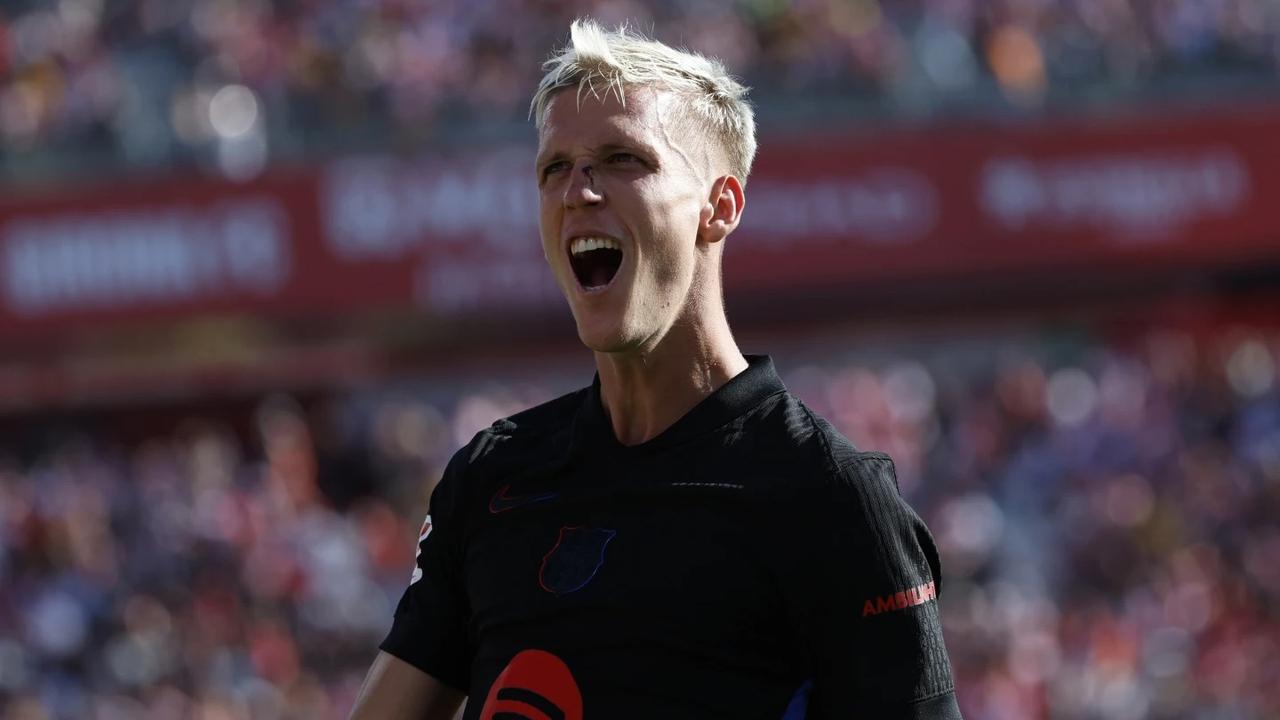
(595, 261)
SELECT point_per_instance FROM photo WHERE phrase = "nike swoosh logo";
(502, 502)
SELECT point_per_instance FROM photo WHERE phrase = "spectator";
(152, 84)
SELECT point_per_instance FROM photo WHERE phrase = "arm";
(423, 669)
(395, 689)
(867, 602)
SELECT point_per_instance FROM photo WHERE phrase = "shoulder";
(856, 478)
(822, 461)
(849, 503)
(526, 441)
(552, 414)
(524, 431)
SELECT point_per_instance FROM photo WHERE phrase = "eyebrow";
(627, 147)
(543, 160)
(635, 146)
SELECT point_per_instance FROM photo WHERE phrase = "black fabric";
(748, 551)
(939, 707)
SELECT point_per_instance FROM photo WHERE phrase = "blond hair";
(599, 61)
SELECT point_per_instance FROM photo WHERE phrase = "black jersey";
(748, 562)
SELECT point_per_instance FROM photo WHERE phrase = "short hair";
(597, 59)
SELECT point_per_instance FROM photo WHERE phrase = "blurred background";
(264, 264)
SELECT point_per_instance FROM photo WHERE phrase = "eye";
(554, 167)
(622, 158)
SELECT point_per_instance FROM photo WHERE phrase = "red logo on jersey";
(534, 685)
(918, 595)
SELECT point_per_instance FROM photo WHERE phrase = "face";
(624, 203)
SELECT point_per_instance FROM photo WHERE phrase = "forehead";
(589, 121)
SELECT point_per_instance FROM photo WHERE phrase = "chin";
(601, 342)
(604, 337)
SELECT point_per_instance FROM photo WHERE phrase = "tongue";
(599, 275)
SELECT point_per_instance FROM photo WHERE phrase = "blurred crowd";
(1106, 514)
(232, 82)
(1106, 511)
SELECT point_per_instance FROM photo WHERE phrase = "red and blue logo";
(574, 560)
(503, 500)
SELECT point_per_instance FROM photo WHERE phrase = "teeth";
(586, 244)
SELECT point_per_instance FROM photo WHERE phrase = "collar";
(742, 393)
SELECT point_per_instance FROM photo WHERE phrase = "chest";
(632, 563)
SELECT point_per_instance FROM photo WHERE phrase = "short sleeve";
(430, 626)
(864, 595)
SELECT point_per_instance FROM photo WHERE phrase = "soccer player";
(683, 538)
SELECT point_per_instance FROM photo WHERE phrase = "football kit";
(748, 562)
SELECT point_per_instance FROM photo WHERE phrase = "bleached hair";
(599, 61)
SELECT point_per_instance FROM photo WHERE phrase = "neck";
(647, 391)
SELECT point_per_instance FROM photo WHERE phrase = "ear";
(723, 209)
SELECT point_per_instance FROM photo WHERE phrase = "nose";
(582, 190)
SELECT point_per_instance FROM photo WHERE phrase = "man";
(682, 539)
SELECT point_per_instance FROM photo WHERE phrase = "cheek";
(670, 269)
(548, 228)
(679, 237)
(675, 217)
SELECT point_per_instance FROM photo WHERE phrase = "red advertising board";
(455, 232)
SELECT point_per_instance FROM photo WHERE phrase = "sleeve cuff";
(938, 707)
(407, 642)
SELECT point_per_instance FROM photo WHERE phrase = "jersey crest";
(574, 560)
